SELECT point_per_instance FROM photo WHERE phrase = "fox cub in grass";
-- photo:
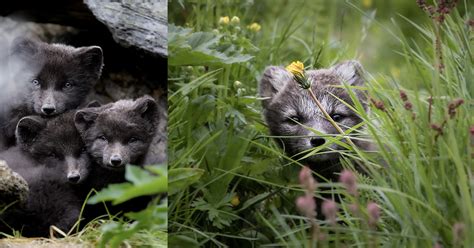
(290, 111)
(52, 159)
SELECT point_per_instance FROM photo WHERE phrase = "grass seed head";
(348, 179)
(374, 213)
(329, 209)
(307, 180)
(408, 106)
(403, 95)
(306, 205)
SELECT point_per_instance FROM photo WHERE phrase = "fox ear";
(351, 72)
(84, 119)
(93, 59)
(24, 48)
(93, 104)
(28, 129)
(147, 107)
(273, 80)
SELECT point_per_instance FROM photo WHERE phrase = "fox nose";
(315, 142)
(48, 109)
(116, 160)
(74, 178)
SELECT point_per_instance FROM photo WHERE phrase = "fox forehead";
(293, 99)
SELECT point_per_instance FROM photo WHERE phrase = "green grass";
(89, 237)
(232, 186)
(145, 228)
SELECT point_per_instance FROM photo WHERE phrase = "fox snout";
(317, 141)
(48, 106)
(116, 160)
(48, 109)
(76, 172)
(117, 156)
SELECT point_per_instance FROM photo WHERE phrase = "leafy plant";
(421, 176)
(148, 181)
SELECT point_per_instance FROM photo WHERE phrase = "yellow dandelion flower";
(367, 3)
(254, 27)
(235, 20)
(235, 201)
(224, 20)
(297, 69)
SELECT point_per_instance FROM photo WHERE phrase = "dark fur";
(124, 130)
(290, 111)
(48, 155)
(157, 152)
(56, 78)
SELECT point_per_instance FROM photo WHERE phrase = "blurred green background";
(367, 30)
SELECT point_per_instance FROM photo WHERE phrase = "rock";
(142, 24)
(13, 186)
(123, 85)
(11, 28)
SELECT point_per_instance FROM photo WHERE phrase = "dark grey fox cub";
(53, 78)
(290, 111)
(52, 158)
(117, 134)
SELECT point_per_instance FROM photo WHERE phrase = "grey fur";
(157, 152)
(51, 157)
(120, 131)
(125, 129)
(56, 78)
(284, 101)
(55, 142)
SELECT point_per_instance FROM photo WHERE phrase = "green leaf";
(181, 178)
(200, 48)
(143, 183)
(182, 241)
(138, 176)
(110, 193)
(250, 202)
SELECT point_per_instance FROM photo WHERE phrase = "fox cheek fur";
(290, 111)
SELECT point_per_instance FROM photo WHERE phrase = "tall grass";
(230, 185)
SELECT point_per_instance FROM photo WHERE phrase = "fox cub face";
(59, 76)
(55, 143)
(290, 111)
(119, 133)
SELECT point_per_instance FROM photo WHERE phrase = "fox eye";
(36, 82)
(293, 119)
(102, 137)
(132, 140)
(53, 155)
(68, 85)
(337, 117)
